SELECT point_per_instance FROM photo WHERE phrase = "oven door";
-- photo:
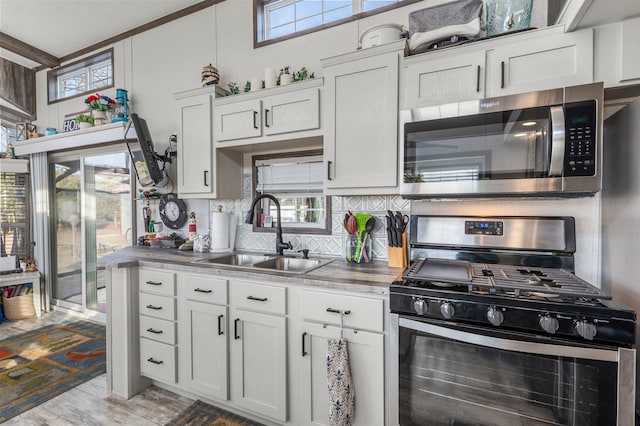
(453, 374)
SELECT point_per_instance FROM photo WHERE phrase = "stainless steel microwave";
(545, 143)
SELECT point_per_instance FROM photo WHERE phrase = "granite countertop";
(374, 277)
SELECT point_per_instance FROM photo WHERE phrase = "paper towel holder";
(230, 238)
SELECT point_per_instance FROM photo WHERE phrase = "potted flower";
(285, 77)
(99, 105)
(84, 120)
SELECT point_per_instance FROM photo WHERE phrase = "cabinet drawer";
(160, 282)
(364, 313)
(157, 329)
(259, 297)
(158, 360)
(162, 307)
(203, 289)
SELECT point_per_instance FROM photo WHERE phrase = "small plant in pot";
(285, 77)
(84, 120)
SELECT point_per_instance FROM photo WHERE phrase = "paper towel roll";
(220, 224)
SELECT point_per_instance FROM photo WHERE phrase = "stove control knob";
(447, 310)
(548, 323)
(495, 316)
(420, 306)
(585, 329)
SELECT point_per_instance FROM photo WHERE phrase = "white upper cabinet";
(533, 60)
(271, 115)
(361, 121)
(202, 171)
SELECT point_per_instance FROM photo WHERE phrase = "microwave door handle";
(558, 141)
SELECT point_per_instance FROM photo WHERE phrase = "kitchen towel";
(342, 396)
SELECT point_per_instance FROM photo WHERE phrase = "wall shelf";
(86, 138)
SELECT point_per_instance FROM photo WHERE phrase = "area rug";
(201, 413)
(38, 365)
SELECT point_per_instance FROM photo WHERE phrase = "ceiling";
(62, 27)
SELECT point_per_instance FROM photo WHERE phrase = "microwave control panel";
(580, 139)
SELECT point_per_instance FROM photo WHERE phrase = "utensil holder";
(358, 251)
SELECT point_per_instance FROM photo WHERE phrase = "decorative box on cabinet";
(361, 121)
(271, 115)
(202, 171)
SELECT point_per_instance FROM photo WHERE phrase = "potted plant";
(99, 105)
(285, 77)
(84, 121)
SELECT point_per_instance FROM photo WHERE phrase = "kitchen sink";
(235, 259)
(289, 264)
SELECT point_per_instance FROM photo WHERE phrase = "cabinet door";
(361, 138)
(259, 362)
(195, 145)
(205, 348)
(445, 78)
(366, 361)
(238, 120)
(292, 112)
(546, 62)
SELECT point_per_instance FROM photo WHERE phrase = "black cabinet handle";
(199, 290)
(338, 311)
(235, 329)
(205, 178)
(255, 119)
(153, 283)
(266, 117)
(502, 75)
(304, 352)
(478, 80)
(151, 330)
(220, 324)
(259, 299)
(155, 361)
(328, 170)
(155, 308)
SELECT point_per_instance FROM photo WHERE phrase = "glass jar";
(357, 250)
(202, 242)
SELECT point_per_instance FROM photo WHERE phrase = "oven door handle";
(511, 345)
(558, 140)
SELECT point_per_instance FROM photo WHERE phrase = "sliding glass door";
(92, 217)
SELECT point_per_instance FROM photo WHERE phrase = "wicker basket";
(18, 307)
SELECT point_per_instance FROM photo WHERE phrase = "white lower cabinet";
(258, 348)
(366, 361)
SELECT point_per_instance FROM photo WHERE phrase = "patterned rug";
(38, 365)
(200, 414)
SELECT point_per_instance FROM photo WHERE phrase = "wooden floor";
(88, 403)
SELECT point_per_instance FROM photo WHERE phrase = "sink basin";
(235, 259)
(289, 264)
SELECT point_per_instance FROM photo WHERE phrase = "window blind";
(290, 175)
(14, 214)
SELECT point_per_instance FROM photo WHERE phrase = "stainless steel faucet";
(280, 245)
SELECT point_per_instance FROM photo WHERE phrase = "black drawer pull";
(259, 299)
(255, 118)
(151, 330)
(338, 311)
(220, 325)
(199, 290)
(155, 361)
(304, 352)
(266, 117)
(478, 80)
(235, 329)
(155, 308)
(153, 283)
(205, 177)
(328, 170)
(502, 75)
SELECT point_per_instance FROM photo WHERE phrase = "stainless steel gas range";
(490, 326)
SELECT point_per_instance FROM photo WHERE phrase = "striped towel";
(341, 390)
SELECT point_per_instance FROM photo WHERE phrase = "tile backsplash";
(331, 245)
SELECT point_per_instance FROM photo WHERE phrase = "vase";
(84, 125)
(99, 117)
(286, 79)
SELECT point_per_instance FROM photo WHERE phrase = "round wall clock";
(173, 211)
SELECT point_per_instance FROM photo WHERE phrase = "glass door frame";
(80, 156)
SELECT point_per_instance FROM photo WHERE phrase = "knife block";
(398, 255)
